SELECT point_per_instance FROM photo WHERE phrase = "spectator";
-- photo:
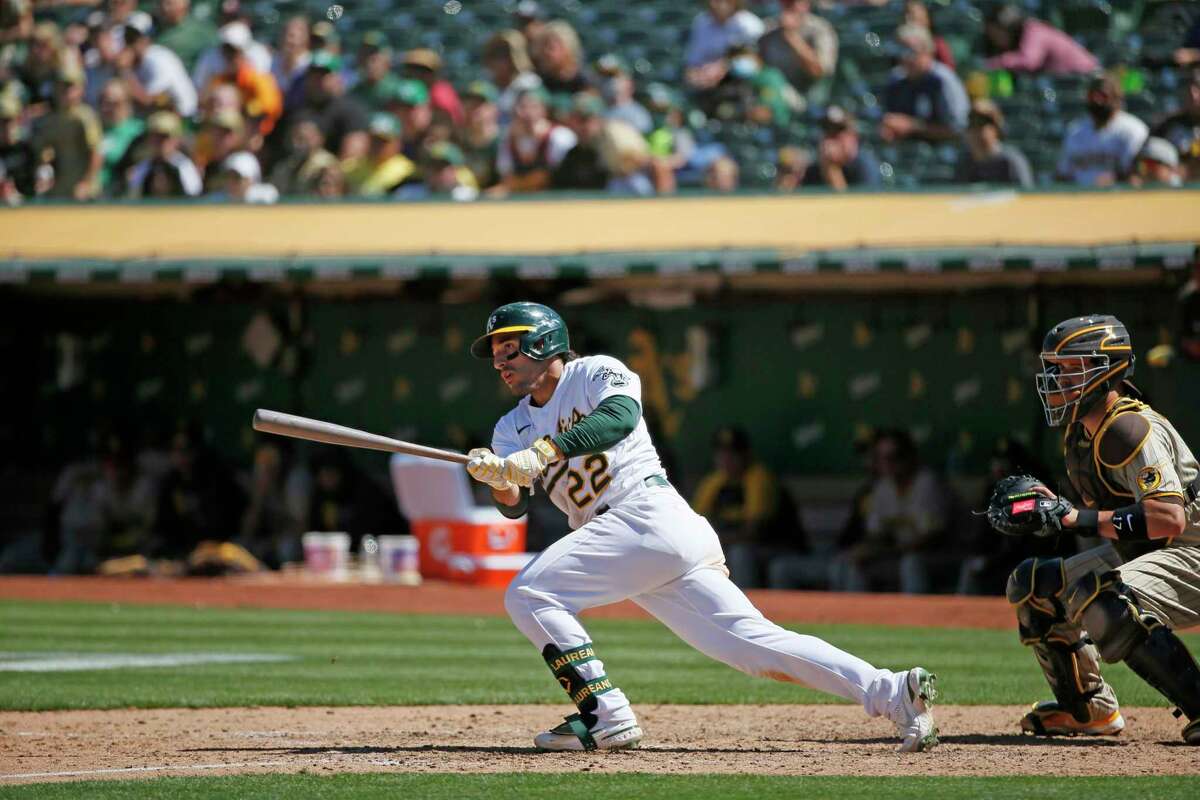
(411, 106)
(299, 172)
(68, 139)
(375, 84)
(1189, 52)
(559, 59)
(221, 135)
(241, 181)
(672, 144)
(986, 157)
(279, 492)
(1157, 165)
(582, 167)
(507, 62)
(752, 92)
(1024, 44)
(991, 556)
(44, 60)
(750, 512)
(121, 131)
(1182, 129)
(907, 514)
(183, 33)
(261, 101)
(479, 138)
(212, 62)
(842, 160)
(155, 75)
(917, 13)
(724, 24)
(198, 500)
(1099, 149)
(342, 120)
(16, 34)
(331, 183)
(533, 148)
(102, 57)
(721, 175)
(802, 46)
(384, 167)
(445, 176)
(292, 59)
(17, 156)
(924, 99)
(123, 14)
(617, 89)
(426, 66)
(529, 19)
(626, 157)
(167, 172)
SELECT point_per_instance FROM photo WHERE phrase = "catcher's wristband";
(1087, 522)
(1129, 523)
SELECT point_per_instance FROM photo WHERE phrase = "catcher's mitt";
(1018, 509)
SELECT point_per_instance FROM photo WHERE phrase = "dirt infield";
(439, 597)
(784, 740)
(799, 740)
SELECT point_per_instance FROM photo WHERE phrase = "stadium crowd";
(116, 101)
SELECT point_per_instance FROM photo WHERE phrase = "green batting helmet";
(543, 331)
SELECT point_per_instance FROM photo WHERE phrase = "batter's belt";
(648, 481)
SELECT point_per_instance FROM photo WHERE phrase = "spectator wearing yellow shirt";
(384, 167)
(743, 501)
(68, 139)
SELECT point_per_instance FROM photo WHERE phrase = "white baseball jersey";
(582, 484)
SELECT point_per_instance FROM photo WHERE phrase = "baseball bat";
(315, 430)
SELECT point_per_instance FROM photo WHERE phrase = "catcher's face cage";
(1064, 381)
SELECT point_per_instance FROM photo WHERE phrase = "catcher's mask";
(1082, 359)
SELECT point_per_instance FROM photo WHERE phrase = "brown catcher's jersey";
(1136, 453)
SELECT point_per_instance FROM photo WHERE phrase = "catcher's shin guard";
(1067, 657)
(1124, 632)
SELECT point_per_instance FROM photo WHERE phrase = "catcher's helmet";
(1102, 341)
(543, 331)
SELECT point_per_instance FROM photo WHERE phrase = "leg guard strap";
(579, 728)
(583, 692)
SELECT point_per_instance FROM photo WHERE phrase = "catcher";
(1136, 482)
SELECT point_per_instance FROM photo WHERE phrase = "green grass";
(625, 786)
(348, 658)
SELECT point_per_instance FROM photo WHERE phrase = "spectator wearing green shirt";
(121, 130)
(68, 139)
(753, 92)
(180, 31)
(376, 84)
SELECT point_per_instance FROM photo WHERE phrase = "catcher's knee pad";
(582, 691)
(1109, 613)
(1035, 589)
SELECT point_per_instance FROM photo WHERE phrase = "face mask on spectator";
(744, 67)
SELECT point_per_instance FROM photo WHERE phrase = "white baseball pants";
(651, 547)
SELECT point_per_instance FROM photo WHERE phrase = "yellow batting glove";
(524, 466)
(487, 467)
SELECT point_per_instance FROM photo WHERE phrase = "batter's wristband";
(1087, 523)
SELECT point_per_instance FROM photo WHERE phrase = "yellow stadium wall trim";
(553, 227)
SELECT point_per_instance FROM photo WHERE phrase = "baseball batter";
(1136, 482)
(577, 433)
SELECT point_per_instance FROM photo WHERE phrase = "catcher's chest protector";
(1097, 485)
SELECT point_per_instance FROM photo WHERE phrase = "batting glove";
(487, 467)
(524, 466)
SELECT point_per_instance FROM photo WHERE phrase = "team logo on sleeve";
(612, 377)
(1149, 479)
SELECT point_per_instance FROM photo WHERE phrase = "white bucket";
(326, 555)
(398, 559)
